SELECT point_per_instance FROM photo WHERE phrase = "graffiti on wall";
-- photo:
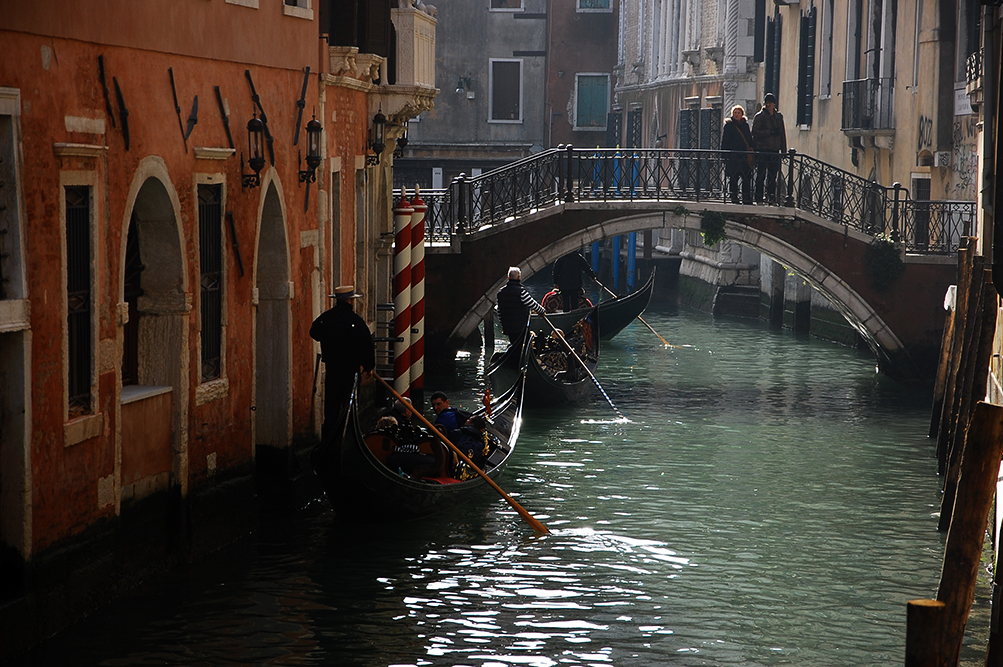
(965, 160)
(925, 141)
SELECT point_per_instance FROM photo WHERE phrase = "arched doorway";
(155, 308)
(272, 328)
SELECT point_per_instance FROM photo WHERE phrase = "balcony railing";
(867, 105)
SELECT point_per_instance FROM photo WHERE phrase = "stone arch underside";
(273, 332)
(880, 338)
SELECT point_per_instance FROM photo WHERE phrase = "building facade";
(171, 222)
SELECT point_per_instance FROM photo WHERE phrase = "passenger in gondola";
(406, 456)
(514, 304)
(552, 301)
(447, 419)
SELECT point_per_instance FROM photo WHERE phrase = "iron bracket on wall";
(177, 108)
(123, 112)
(104, 86)
(264, 119)
(301, 103)
(223, 114)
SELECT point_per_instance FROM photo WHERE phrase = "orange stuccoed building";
(171, 222)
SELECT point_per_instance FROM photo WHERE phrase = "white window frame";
(491, 89)
(218, 387)
(303, 9)
(591, 10)
(578, 75)
(88, 179)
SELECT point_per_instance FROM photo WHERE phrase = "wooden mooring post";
(980, 463)
(972, 380)
(924, 635)
(966, 254)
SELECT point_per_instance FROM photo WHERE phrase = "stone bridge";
(824, 228)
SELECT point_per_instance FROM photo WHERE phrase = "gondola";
(544, 388)
(616, 313)
(360, 487)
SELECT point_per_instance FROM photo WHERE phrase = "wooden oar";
(641, 319)
(529, 518)
(579, 360)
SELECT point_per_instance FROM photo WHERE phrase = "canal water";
(772, 501)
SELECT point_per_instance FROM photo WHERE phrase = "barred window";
(78, 297)
(211, 278)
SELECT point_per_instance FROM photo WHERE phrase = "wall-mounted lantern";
(377, 141)
(401, 144)
(313, 158)
(463, 86)
(255, 135)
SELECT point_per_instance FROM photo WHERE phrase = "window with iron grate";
(211, 278)
(78, 298)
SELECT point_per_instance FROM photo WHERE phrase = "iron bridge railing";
(565, 175)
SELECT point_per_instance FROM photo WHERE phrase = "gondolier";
(346, 347)
(567, 276)
(514, 304)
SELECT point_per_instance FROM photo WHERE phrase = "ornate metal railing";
(675, 175)
(867, 104)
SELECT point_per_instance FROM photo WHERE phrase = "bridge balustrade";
(566, 174)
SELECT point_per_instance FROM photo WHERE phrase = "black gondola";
(616, 313)
(544, 386)
(360, 486)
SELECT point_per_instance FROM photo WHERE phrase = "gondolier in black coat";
(514, 304)
(568, 278)
(346, 347)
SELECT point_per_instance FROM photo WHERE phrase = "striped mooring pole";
(418, 298)
(402, 295)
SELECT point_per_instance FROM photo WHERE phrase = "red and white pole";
(418, 296)
(402, 296)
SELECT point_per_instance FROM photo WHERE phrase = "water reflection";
(770, 502)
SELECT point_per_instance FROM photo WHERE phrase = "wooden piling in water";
(924, 633)
(975, 492)
(966, 253)
(940, 386)
(973, 377)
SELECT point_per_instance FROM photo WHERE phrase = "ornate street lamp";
(377, 143)
(313, 159)
(255, 134)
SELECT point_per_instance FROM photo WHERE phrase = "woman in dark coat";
(737, 137)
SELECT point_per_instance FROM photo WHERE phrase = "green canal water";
(772, 501)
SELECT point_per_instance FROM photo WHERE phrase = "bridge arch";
(862, 316)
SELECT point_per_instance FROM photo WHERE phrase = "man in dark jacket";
(568, 278)
(346, 346)
(514, 304)
(769, 138)
(737, 138)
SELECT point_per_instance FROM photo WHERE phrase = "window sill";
(508, 122)
(253, 4)
(140, 392)
(589, 129)
(298, 12)
(82, 428)
(213, 390)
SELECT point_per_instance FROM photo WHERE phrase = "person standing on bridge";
(346, 347)
(737, 138)
(769, 138)
(514, 304)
